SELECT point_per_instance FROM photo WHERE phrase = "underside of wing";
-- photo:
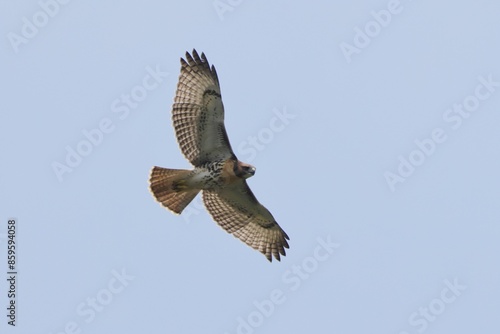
(236, 210)
(198, 112)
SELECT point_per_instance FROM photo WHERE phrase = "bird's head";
(244, 170)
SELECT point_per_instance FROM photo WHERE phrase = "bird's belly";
(206, 178)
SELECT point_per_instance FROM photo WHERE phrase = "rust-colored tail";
(169, 188)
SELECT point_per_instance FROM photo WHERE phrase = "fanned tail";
(168, 186)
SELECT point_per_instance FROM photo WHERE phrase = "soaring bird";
(198, 119)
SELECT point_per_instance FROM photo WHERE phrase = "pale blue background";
(322, 175)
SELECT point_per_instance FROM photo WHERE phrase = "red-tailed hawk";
(198, 117)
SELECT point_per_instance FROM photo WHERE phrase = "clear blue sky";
(373, 126)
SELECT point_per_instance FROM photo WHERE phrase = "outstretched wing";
(198, 112)
(236, 210)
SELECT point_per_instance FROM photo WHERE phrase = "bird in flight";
(198, 119)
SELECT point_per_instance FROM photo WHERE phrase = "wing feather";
(198, 112)
(236, 210)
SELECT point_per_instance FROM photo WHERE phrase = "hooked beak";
(244, 170)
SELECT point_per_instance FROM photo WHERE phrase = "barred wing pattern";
(198, 112)
(236, 210)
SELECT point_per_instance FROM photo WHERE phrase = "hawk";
(198, 119)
